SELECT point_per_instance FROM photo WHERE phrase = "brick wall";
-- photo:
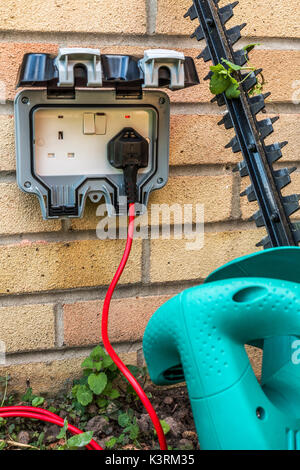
(53, 275)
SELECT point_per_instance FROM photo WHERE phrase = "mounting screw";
(27, 184)
(25, 100)
(252, 147)
(210, 22)
(275, 217)
(162, 100)
(160, 180)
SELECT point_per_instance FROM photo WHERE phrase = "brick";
(7, 143)
(27, 327)
(42, 266)
(198, 140)
(273, 19)
(255, 355)
(286, 129)
(280, 81)
(21, 213)
(45, 378)
(212, 191)
(170, 260)
(128, 320)
(91, 16)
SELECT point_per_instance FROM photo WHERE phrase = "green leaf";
(233, 91)
(114, 394)
(97, 382)
(218, 68)
(165, 426)
(84, 395)
(124, 420)
(41, 439)
(111, 443)
(81, 440)
(28, 395)
(98, 365)
(98, 353)
(63, 432)
(219, 83)
(250, 47)
(37, 401)
(134, 432)
(107, 362)
(102, 402)
(231, 65)
(2, 445)
(88, 363)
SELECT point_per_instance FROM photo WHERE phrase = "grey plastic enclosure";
(61, 147)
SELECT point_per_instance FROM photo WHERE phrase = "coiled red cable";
(47, 416)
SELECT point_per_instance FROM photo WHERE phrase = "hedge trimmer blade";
(258, 158)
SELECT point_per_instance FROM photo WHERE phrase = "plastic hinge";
(69, 58)
(154, 59)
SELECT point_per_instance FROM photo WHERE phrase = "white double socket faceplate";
(62, 154)
(73, 141)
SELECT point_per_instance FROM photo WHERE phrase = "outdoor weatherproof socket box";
(63, 129)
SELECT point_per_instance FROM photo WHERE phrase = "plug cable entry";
(47, 416)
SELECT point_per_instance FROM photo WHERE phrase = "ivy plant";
(224, 79)
(97, 383)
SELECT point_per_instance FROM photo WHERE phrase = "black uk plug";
(129, 151)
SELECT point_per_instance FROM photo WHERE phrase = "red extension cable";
(47, 416)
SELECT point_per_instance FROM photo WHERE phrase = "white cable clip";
(154, 59)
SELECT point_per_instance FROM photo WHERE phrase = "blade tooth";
(243, 169)
(218, 99)
(234, 143)
(296, 232)
(265, 127)
(275, 119)
(266, 95)
(265, 243)
(257, 104)
(205, 55)
(258, 219)
(291, 203)
(250, 193)
(227, 121)
(198, 33)
(240, 57)
(208, 76)
(226, 12)
(191, 13)
(251, 81)
(273, 151)
(234, 34)
(282, 177)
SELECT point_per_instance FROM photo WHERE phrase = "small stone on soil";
(23, 437)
